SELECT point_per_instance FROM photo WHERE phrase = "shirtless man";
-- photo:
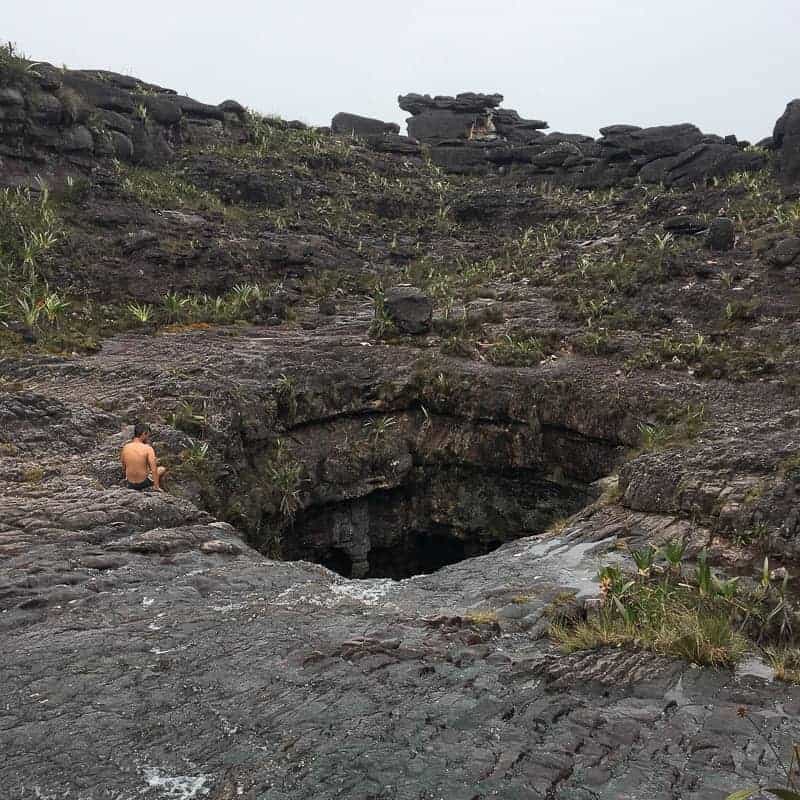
(139, 461)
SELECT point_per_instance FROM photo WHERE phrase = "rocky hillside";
(483, 443)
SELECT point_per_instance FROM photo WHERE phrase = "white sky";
(729, 66)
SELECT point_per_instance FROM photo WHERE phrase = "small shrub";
(379, 427)
(141, 312)
(286, 480)
(382, 325)
(516, 352)
(482, 617)
(187, 419)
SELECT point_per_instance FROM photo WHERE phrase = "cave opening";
(443, 516)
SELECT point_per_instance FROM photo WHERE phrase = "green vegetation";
(286, 391)
(15, 66)
(705, 359)
(379, 427)
(512, 351)
(704, 618)
(677, 425)
(166, 188)
(189, 419)
(285, 480)
(382, 326)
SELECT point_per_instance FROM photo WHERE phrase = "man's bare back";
(140, 463)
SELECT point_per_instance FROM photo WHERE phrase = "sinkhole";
(442, 515)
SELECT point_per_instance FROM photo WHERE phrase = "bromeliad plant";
(704, 619)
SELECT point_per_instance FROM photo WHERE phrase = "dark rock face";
(779, 250)
(786, 140)
(468, 116)
(684, 224)
(355, 125)
(410, 309)
(721, 234)
(470, 133)
(466, 102)
(49, 111)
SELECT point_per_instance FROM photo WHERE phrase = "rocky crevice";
(417, 486)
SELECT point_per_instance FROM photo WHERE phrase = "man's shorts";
(147, 483)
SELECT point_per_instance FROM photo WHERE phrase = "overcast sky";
(729, 67)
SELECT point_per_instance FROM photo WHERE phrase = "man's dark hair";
(139, 429)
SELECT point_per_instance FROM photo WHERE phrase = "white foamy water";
(178, 787)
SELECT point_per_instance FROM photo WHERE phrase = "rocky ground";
(580, 373)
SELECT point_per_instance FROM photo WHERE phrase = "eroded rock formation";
(470, 131)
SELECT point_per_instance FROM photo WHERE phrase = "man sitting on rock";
(140, 463)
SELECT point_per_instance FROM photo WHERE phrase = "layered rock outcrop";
(88, 114)
(470, 132)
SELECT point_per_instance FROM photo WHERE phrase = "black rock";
(99, 94)
(436, 126)
(409, 309)
(232, 107)
(469, 102)
(651, 143)
(721, 234)
(193, 108)
(355, 125)
(163, 110)
(684, 224)
(394, 143)
(786, 140)
(699, 162)
(785, 252)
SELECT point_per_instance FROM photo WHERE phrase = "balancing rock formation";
(471, 132)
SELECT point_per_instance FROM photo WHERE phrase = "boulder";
(76, 139)
(355, 125)
(45, 108)
(466, 102)
(150, 148)
(700, 162)
(99, 94)
(721, 234)
(777, 249)
(193, 108)
(394, 143)
(409, 309)
(786, 140)
(162, 110)
(648, 144)
(684, 224)
(233, 107)
(123, 146)
(459, 158)
(436, 126)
